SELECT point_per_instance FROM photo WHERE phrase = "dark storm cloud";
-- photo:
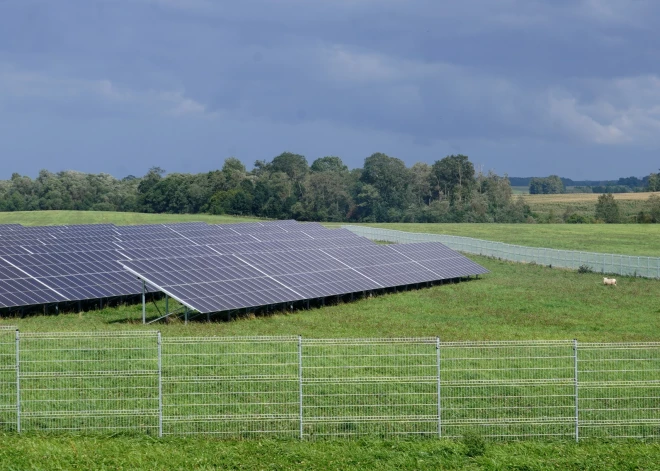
(526, 87)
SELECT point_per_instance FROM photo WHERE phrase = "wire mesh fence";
(290, 387)
(628, 265)
(231, 387)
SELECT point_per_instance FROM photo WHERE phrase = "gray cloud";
(513, 79)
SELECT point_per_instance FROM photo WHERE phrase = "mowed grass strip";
(514, 302)
(54, 218)
(33, 452)
(627, 239)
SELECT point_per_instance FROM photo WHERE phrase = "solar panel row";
(70, 263)
(210, 283)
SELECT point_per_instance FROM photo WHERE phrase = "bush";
(585, 269)
(475, 445)
(607, 209)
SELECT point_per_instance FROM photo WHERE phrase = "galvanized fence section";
(233, 387)
(509, 390)
(383, 387)
(8, 378)
(619, 390)
(290, 387)
(628, 265)
(96, 381)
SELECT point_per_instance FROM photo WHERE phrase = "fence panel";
(508, 390)
(647, 267)
(382, 387)
(8, 379)
(619, 390)
(100, 381)
(231, 387)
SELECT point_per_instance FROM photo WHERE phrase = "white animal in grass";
(609, 281)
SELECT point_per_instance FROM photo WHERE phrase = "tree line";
(555, 185)
(383, 190)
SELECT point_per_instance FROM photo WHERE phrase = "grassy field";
(514, 301)
(584, 204)
(628, 239)
(135, 453)
(49, 218)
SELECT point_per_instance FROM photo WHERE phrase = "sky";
(523, 87)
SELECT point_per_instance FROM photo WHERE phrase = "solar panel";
(18, 288)
(210, 267)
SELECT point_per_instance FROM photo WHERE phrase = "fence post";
(300, 384)
(577, 409)
(160, 387)
(437, 354)
(18, 383)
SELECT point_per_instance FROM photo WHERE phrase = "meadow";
(630, 204)
(513, 302)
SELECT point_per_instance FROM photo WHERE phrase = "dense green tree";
(546, 186)
(607, 209)
(453, 178)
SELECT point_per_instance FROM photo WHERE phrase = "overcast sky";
(524, 87)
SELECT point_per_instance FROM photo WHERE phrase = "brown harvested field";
(585, 197)
(584, 204)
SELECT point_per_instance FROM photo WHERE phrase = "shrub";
(475, 445)
(585, 269)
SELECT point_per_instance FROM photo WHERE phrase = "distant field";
(630, 204)
(567, 198)
(520, 190)
(49, 218)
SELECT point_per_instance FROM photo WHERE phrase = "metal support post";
(577, 409)
(437, 354)
(300, 384)
(167, 305)
(185, 316)
(18, 383)
(160, 387)
(144, 303)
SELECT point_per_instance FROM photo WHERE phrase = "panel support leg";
(144, 302)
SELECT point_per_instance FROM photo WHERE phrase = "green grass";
(50, 218)
(629, 239)
(131, 453)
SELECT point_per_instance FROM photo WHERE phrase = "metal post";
(18, 384)
(160, 387)
(144, 303)
(575, 362)
(437, 354)
(167, 305)
(300, 384)
(186, 316)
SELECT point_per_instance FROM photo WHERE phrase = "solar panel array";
(207, 267)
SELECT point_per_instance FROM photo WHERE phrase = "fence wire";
(628, 265)
(290, 387)
(234, 387)
(88, 381)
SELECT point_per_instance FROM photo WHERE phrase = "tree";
(546, 186)
(389, 177)
(234, 172)
(329, 164)
(607, 209)
(453, 178)
(653, 182)
(294, 166)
